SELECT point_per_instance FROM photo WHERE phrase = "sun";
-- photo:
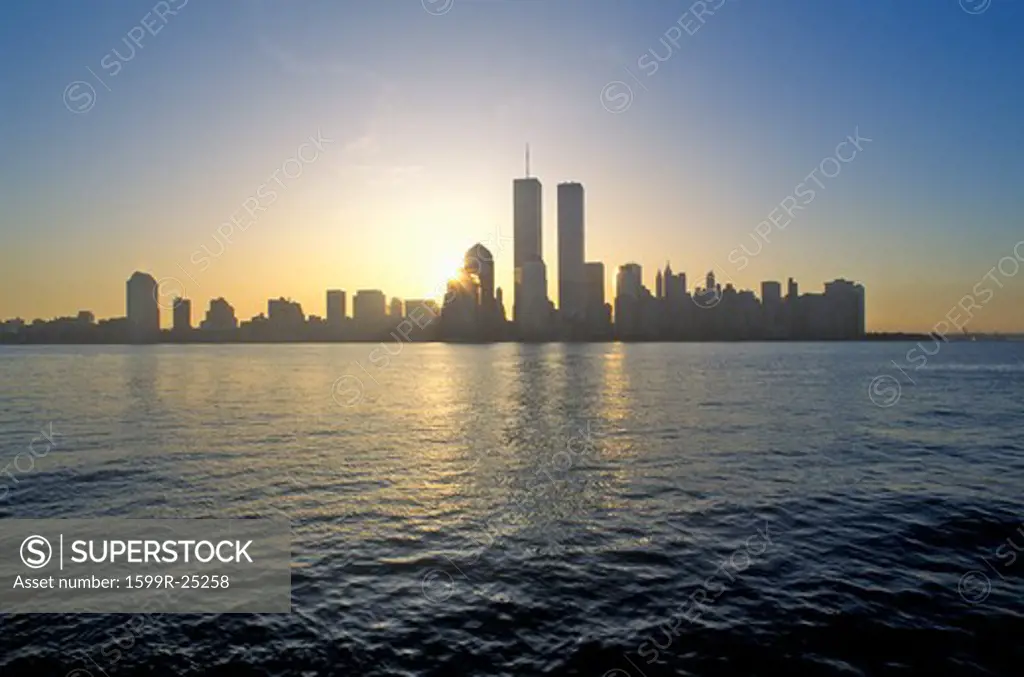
(447, 269)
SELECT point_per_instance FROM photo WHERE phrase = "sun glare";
(448, 269)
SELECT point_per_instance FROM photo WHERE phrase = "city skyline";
(472, 306)
(576, 311)
(382, 181)
(473, 310)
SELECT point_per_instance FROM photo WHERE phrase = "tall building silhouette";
(335, 307)
(534, 322)
(771, 293)
(182, 315)
(629, 281)
(142, 310)
(480, 262)
(369, 309)
(674, 285)
(571, 252)
(593, 273)
(630, 297)
(527, 208)
(597, 314)
(845, 303)
(472, 311)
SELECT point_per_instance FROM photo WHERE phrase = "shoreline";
(892, 338)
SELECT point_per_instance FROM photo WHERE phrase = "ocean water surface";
(606, 509)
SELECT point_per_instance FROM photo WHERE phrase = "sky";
(369, 143)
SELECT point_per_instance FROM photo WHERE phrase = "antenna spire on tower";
(527, 160)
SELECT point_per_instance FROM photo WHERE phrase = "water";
(557, 510)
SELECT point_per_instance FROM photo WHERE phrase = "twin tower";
(532, 310)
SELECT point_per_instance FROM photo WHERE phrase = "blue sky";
(428, 114)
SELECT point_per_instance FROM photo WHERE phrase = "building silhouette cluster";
(473, 308)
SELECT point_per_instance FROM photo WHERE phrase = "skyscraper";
(771, 293)
(674, 286)
(335, 307)
(534, 307)
(845, 306)
(369, 307)
(597, 316)
(594, 274)
(629, 300)
(571, 257)
(479, 261)
(771, 310)
(182, 315)
(629, 281)
(526, 229)
(141, 308)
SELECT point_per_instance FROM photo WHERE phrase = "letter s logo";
(39, 552)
